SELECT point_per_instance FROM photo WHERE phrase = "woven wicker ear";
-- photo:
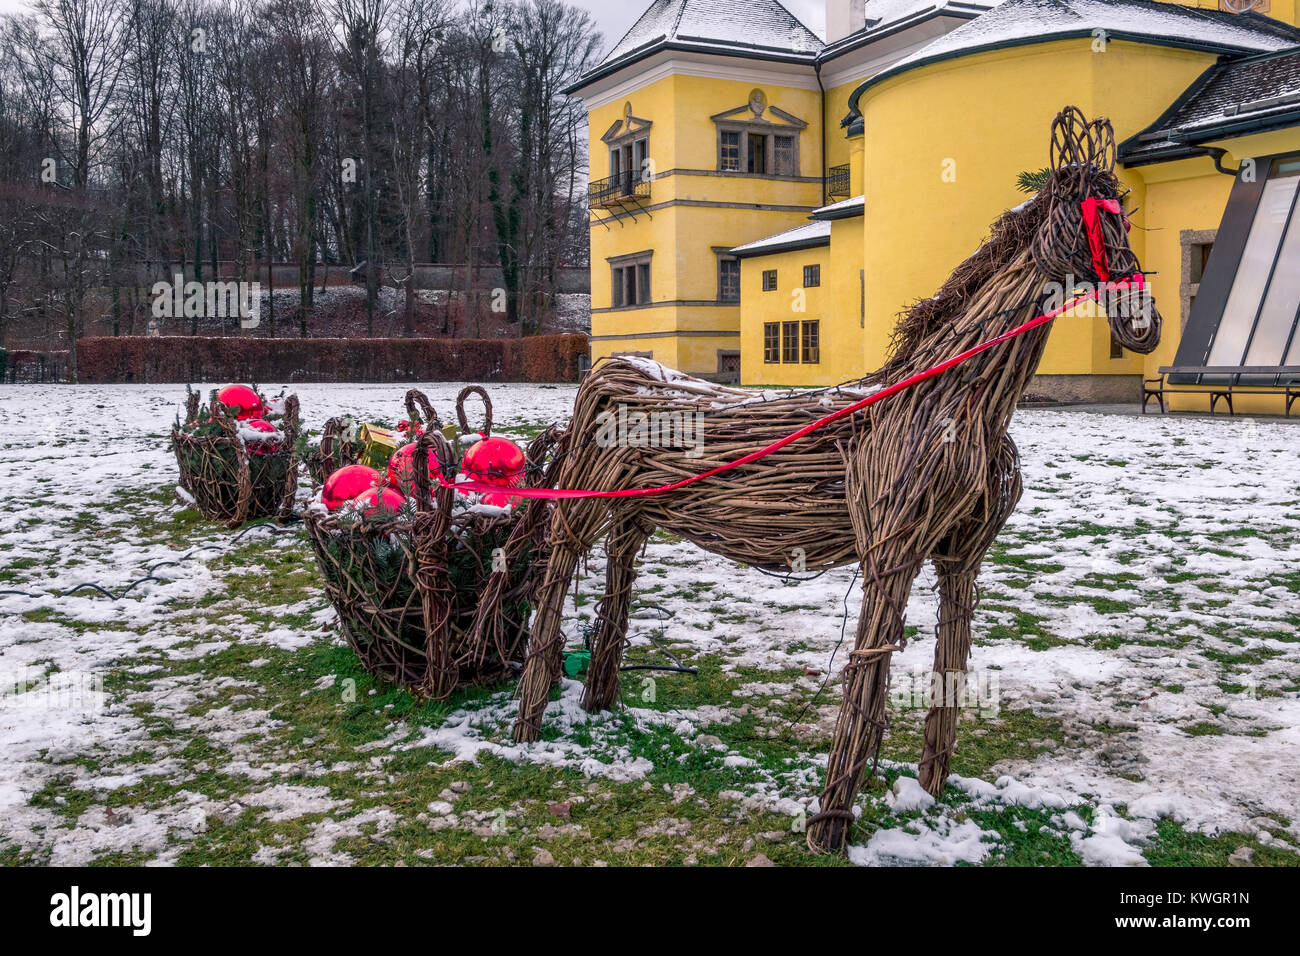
(1071, 152)
(1068, 138)
(415, 398)
(1101, 144)
(465, 393)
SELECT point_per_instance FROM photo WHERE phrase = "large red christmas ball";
(346, 483)
(495, 461)
(499, 499)
(248, 403)
(379, 502)
(401, 469)
(264, 446)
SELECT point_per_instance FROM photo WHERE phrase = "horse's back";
(786, 510)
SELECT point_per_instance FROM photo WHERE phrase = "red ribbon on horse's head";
(1096, 239)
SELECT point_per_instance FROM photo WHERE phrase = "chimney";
(844, 17)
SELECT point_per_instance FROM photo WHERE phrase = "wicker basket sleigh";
(440, 595)
(227, 480)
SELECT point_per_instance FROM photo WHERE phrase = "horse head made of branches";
(1084, 237)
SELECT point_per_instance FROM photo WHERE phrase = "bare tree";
(417, 29)
(303, 69)
(141, 135)
(19, 162)
(555, 44)
(71, 50)
(360, 35)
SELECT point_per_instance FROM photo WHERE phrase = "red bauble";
(248, 403)
(379, 502)
(495, 461)
(401, 469)
(347, 483)
(499, 499)
(261, 447)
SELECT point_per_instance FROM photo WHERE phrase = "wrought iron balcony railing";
(618, 190)
(837, 181)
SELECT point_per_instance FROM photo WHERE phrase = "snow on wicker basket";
(233, 473)
(425, 597)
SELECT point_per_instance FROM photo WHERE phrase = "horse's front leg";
(861, 723)
(625, 541)
(951, 652)
(957, 561)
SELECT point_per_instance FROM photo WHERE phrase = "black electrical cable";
(148, 577)
(844, 623)
(678, 667)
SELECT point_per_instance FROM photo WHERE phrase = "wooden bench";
(1227, 382)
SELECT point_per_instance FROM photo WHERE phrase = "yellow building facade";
(790, 197)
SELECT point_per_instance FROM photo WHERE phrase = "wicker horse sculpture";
(927, 474)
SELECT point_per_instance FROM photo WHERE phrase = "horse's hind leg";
(574, 529)
(545, 641)
(625, 541)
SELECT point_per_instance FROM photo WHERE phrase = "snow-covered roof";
(882, 13)
(886, 18)
(816, 233)
(844, 209)
(1015, 22)
(756, 27)
(1233, 97)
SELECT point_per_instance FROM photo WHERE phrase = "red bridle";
(1090, 208)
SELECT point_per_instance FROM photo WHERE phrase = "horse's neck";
(999, 375)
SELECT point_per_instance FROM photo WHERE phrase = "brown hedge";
(174, 358)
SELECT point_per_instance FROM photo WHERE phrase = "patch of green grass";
(1174, 846)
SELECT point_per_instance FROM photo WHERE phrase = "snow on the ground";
(1154, 548)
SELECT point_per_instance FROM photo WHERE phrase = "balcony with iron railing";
(837, 182)
(627, 187)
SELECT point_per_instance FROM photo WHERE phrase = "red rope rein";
(1135, 281)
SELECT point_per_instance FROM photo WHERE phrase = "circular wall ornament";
(1243, 6)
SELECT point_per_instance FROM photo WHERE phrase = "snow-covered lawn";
(1137, 669)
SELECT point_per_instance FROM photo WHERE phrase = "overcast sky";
(614, 17)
